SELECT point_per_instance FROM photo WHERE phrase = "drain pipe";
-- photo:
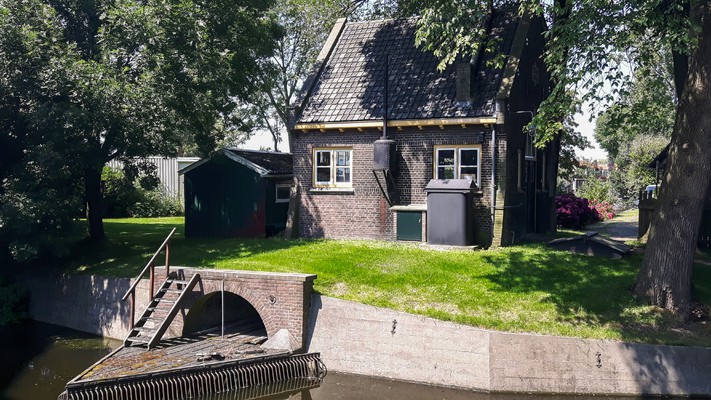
(493, 175)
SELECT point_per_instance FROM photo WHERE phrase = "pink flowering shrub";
(574, 212)
(604, 209)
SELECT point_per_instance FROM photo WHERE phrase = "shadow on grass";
(595, 291)
(131, 243)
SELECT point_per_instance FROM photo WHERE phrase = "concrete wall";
(360, 339)
(83, 302)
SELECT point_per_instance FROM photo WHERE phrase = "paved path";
(623, 227)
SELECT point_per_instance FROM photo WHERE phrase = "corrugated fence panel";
(167, 171)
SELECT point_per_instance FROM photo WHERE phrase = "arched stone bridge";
(282, 300)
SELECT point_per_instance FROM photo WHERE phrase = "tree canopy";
(88, 81)
(592, 46)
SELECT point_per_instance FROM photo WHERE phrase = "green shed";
(238, 193)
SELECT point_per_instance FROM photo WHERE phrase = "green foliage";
(526, 288)
(597, 189)
(126, 196)
(633, 173)
(636, 128)
(85, 82)
(306, 25)
(13, 303)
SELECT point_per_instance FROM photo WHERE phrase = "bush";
(154, 203)
(139, 197)
(604, 209)
(574, 212)
(13, 303)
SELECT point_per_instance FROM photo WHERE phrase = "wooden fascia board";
(512, 64)
(240, 160)
(399, 123)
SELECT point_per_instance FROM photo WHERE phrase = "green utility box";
(409, 222)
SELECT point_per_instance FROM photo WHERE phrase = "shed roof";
(265, 163)
(350, 83)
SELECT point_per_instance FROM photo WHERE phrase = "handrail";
(173, 310)
(150, 263)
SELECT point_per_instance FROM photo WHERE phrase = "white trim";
(332, 167)
(457, 161)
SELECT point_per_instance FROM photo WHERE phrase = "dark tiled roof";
(270, 163)
(351, 84)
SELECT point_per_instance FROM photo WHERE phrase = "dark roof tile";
(353, 77)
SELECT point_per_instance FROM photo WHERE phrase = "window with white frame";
(458, 162)
(332, 167)
(283, 193)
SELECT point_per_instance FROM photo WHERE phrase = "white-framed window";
(283, 193)
(332, 167)
(458, 162)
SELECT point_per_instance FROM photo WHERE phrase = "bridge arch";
(206, 313)
(281, 300)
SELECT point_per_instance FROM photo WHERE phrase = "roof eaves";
(256, 168)
(494, 119)
(192, 166)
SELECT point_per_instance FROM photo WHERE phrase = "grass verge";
(525, 288)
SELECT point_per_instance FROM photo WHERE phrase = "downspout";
(385, 101)
(493, 175)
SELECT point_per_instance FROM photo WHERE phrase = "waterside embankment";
(360, 339)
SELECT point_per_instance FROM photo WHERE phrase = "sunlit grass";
(526, 288)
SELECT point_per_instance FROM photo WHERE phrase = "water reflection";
(39, 359)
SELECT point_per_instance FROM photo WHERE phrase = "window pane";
(283, 192)
(469, 173)
(445, 172)
(323, 175)
(469, 157)
(343, 157)
(343, 174)
(445, 157)
(323, 158)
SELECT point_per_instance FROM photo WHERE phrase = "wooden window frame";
(332, 167)
(457, 158)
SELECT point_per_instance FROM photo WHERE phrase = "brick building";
(376, 122)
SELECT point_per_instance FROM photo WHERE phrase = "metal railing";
(150, 267)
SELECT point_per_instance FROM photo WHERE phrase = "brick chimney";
(464, 84)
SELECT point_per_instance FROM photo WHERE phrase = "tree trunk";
(94, 203)
(665, 277)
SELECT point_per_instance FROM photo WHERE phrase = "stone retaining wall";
(360, 339)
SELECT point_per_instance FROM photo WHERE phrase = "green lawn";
(526, 288)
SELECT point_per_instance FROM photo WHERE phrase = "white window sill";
(342, 190)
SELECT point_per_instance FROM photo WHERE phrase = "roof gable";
(350, 84)
(265, 163)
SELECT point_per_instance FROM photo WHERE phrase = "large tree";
(128, 78)
(306, 25)
(591, 46)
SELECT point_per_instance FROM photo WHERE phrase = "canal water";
(38, 359)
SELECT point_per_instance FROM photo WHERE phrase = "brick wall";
(364, 212)
(282, 300)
